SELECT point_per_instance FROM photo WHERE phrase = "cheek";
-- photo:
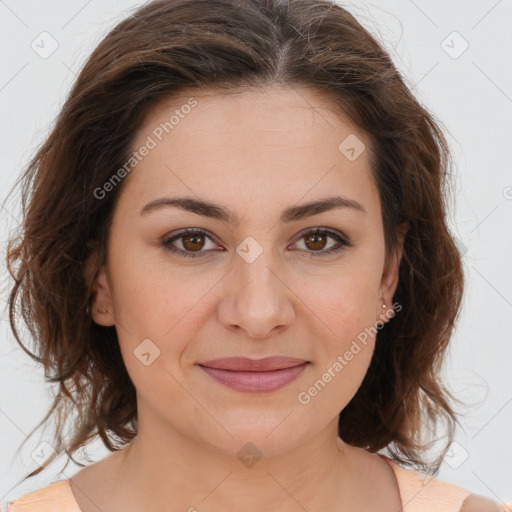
(349, 350)
(153, 299)
(346, 309)
(345, 304)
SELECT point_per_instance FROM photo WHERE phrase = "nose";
(257, 299)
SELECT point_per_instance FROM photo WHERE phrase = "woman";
(236, 265)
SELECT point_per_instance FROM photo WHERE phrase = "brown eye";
(315, 241)
(190, 243)
(193, 242)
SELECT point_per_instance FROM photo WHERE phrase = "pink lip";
(243, 374)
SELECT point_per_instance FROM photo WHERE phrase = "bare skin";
(255, 153)
(107, 486)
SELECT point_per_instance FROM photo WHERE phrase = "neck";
(167, 469)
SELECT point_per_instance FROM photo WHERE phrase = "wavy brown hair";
(168, 46)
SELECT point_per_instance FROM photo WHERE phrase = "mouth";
(254, 375)
(246, 364)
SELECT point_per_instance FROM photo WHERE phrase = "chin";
(255, 441)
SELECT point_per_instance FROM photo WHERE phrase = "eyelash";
(343, 242)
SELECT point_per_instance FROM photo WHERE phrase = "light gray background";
(470, 92)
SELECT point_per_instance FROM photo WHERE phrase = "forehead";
(267, 143)
(301, 113)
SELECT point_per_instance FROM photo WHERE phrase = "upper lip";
(242, 364)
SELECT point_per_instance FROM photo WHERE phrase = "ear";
(389, 279)
(100, 309)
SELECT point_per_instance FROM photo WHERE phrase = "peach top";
(419, 492)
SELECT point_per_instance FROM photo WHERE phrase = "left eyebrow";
(219, 212)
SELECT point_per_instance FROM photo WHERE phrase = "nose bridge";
(257, 284)
(259, 300)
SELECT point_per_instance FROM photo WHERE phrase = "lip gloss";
(255, 381)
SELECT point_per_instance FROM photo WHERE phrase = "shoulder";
(56, 497)
(477, 503)
(426, 493)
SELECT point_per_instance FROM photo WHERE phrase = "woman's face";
(247, 281)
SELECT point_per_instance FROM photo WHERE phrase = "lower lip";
(255, 381)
